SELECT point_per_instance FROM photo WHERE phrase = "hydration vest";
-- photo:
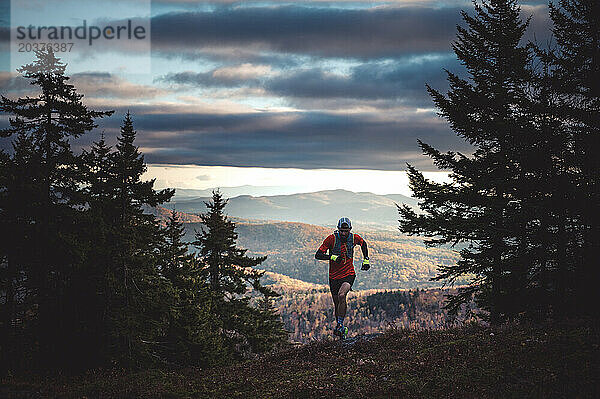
(337, 247)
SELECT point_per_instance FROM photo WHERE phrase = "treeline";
(309, 315)
(87, 278)
(524, 204)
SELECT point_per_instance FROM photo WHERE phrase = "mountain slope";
(397, 261)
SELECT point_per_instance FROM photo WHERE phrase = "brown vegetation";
(515, 361)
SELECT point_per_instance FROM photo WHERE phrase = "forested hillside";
(307, 312)
(308, 315)
(398, 261)
(305, 304)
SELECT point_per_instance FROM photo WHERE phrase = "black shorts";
(334, 285)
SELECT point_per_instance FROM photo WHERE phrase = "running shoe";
(337, 330)
(344, 332)
(341, 332)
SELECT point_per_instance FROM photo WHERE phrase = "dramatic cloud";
(235, 76)
(403, 80)
(307, 85)
(333, 32)
(379, 32)
(294, 139)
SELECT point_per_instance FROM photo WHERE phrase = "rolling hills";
(290, 228)
(398, 261)
(320, 208)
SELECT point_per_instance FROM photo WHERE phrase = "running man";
(341, 267)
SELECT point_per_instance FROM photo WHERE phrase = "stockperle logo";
(91, 35)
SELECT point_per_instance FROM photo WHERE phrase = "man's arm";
(364, 249)
(327, 244)
(366, 264)
(320, 255)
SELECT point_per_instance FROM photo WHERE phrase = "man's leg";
(341, 305)
(335, 304)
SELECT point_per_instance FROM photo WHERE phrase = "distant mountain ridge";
(321, 208)
(255, 191)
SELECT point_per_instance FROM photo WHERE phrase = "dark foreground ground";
(516, 361)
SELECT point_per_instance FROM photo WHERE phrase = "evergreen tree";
(575, 78)
(541, 184)
(193, 335)
(39, 211)
(229, 272)
(482, 207)
(141, 296)
(98, 171)
(177, 262)
(267, 329)
(100, 235)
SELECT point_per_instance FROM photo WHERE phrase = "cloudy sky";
(267, 92)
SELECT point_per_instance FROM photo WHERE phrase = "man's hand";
(334, 258)
(365, 265)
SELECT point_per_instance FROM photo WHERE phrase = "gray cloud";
(370, 81)
(378, 32)
(302, 140)
(231, 56)
(289, 37)
(296, 139)
(403, 80)
(333, 32)
(14, 84)
(207, 79)
(540, 25)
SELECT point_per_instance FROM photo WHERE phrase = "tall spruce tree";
(193, 335)
(229, 272)
(576, 80)
(131, 297)
(99, 177)
(141, 297)
(481, 207)
(40, 212)
(541, 183)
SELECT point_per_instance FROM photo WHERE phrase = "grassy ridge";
(516, 361)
